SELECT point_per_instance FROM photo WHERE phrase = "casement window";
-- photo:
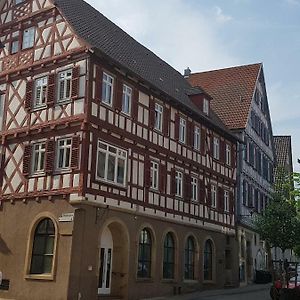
(197, 137)
(64, 147)
(154, 175)
(189, 259)
(40, 92)
(14, 46)
(158, 123)
(228, 155)
(64, 85)
(38, 157)
(169, 257)
(178, 184)
(216, 149)
(111, 163)
(126, 99)
(28, 38)
(208, 261)
(213, 196)
(226, 201)
(182, 130)
(206, 106)
(194, 187)
(144, 254)
(43, 248)
(107, 89)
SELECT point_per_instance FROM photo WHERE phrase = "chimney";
(187, 72)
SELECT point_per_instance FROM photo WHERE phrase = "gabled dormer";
(201, 99)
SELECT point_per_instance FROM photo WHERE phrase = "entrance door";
(104, 285)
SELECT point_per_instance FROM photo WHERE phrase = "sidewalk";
(211, 293)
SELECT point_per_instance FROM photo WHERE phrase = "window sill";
(112, 184)
(63, 102)
(191, 281)
(62, 171)
(35, 175)
(209, 282)
(46, 277)
(38, 108)
(165, 280)
(144, 280)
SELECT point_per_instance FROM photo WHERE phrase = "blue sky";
(207, 35)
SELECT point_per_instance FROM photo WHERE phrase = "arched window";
(144, 260)
(208, 260)
(189, 259)
(169, 257)
(43, 248)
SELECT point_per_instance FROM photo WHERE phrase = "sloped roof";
(109, 40)
(283, 150)
(232, 90)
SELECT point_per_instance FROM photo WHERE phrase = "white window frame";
(28, 38)
(107, 89)
(66, 150)
(119, 155)
(64, 90)
(182, 130)
(179, 184)
(158, 113)
(216, 150)
(226, 201)
(228, 154)
(197, 137)
(126, 99)
(205, 106)
(214, 196)
(40, 92)
(194, 187)
(154, 175)
(1, 110)
(39, 155)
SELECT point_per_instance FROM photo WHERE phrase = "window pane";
(36, 264)
(39, 245)
(121, 171)
(47, 264)
(111, 168)
(101, 165)
(49, 245)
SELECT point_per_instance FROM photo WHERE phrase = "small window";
(154, 175)
(179, 183)
(226, 201)
(111, 163)
(208, 260)
(228, 155)
(15, 47)
(107, 89)
(145, 249)
(40, 92)
(197, 138)
(158, 117)
(38, 158)
(28, 38)
(194, 185)
(206, 106)
(213, 196)
(64, 153)
(169, 257)
(64, 86)
(126, 99)
(216, 150)
(189, 259)
(43, 248)
(182, 130)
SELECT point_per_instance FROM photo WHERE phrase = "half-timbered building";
(117, 178)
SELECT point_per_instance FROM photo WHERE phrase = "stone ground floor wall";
(77, 258)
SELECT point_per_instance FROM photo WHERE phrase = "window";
(189, 259)
(43, 248)
(40, 92)
(144, 256)
(206, 106)
(64, 153)
(19, 1)
(126, 99)
(169, 257)
(179, 182)
(194, 184)
(216, 150)
(226, 201)
(245, 193)
(213, 196)
(197, 138)
(64, 85)
(208, 261)
(228, 155)
(158, 117)
(111, 163)
(107, 89)
(38, 157)
(14, 47)
(28, 38)
(154, 175)
(182, 130)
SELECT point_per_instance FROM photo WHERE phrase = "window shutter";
(50, 156)
(151, 113)
(119, 94)
(166, 121)
(173, 182)
(135, 104)
(231, 202)
(75, 152)
(26, 160)
(203, 141)
(201, 192)
(147, 175)
(51, 90)
(98, 84)
(177, 120)
(187, 187)
(162, 178)
(29, 94)
(220, 203)
(75, 82)
(208, 202)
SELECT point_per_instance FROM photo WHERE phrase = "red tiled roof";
(232, 90)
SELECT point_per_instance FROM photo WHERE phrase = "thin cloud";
(220, 16)
(293, 2)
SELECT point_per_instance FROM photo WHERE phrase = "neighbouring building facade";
(117, 178)
(240, 100)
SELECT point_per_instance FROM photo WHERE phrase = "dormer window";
(206, 106)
